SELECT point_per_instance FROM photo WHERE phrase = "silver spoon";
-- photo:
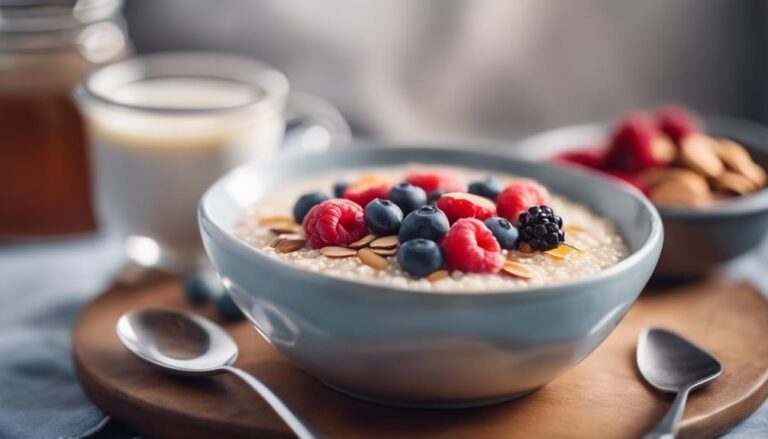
(187, 344)
(672, 364)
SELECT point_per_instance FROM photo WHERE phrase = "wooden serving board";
(601, 397)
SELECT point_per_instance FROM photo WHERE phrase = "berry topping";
(676, 122)
(431, 181)
(383, 217)
(591, 158)
(541, 229)
(488, 188)
(426, 222)
(408, 197)
(470, 247)
(334, 222)
(338, 189)
(420, 257)
(637, 144)
(367, 188)
(518, 197)
(306, 202)
(227, 308)
(504, 232)
(457, 205)
(434, 196)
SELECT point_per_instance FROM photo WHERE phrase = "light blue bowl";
(420, 348)
(697, 239)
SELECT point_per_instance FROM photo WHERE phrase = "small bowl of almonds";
(706, 175)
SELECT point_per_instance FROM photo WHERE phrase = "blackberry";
(541, 228)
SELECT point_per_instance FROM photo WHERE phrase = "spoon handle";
(296, 423)
(667, 427)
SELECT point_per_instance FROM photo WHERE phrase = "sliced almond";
(277, 240)
(385, 251)
(573, 228)
(733, 182)
(517, 269)
(697, 152)
(337, 252)
(275, 219)
(362, 242)
(371, 259)
(285, 228)
(385, 242)
(438, 275)
(663, 149)
(559, 253)
(290, 245)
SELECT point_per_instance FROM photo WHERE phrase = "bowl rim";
(754, 202)
(652, 243)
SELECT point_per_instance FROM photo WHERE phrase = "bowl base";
(433, 405)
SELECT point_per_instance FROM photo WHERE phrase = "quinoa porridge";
(462, 244)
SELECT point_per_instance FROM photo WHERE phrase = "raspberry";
(593, 158)
(518, 197)
(367, 188)
(432, 181)
(457, 205)
(676, 122)
(334, 222)
(471, 248)
(634, 145)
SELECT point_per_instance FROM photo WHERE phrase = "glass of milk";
(163, 127)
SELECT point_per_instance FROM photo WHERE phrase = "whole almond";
(655, 176)
(371, 259)
(362, 242)
(337, 252)
(290, 245)
(385, 242)
(663, 149)
(681, 192)
(517, 269)
(756, 174)
(697, 152)
(733, 182)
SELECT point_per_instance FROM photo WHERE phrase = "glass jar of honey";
(46, 47)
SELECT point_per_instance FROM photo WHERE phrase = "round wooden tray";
(601, 397)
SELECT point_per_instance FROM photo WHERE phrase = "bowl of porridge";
(706, 175)
(429, 277)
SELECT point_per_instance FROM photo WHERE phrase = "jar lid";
(50, 15)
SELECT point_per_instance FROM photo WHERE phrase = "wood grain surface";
(601, 397)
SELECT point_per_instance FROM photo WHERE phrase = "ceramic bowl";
(697, 239)
(427, 349)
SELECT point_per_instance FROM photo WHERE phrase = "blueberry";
(338, 189)
(306, 202)
(383, 217)
(504, 232)
(434, 196)
(420, 257)
(488, 188)
(197, 290)
(427, 222)
(227, 308)
(408, 197)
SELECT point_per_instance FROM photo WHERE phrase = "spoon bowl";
(188, 344)
(672, 364)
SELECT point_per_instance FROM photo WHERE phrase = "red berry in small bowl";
(637, 144)
(367, 189)
(593, 158)
(470, 247)
(334, 222)
(677, 122)
(457, 205)
(518, 196)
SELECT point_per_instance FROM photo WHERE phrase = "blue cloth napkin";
(42, 288)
